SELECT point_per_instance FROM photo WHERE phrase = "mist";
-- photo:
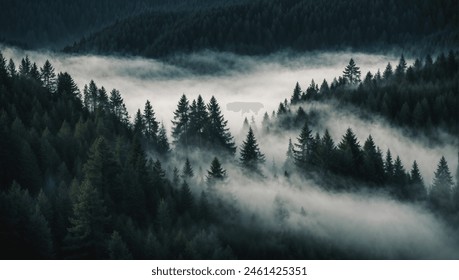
(370, 223)
(365, 223)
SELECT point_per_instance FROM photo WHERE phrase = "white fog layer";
(365, 222)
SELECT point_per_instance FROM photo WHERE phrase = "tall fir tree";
(296, 96)
(181, 121)
(48, 77)
(440, 193)
(218, 132)
(303, 149)
(216, 172)
(151, 126)
(352, 73)
(251, 156)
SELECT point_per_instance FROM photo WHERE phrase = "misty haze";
(115, 146)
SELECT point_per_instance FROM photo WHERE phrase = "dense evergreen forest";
(57, 23)
(81, 179)
(266, 26)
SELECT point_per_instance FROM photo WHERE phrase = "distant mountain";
(56, 23)
(264, 26)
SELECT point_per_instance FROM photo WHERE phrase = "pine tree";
(389, 166)
(251, 157)
(186, 200)
(199, 122)
(352, 73)
(48, 77)
(34, 73)
(88, 231)
(373, 166)
(296, 94)
(3, 70)
(187, 171)
(388, 72)
(401, 67)
(400, 179)
(303, 149)
(181, 121)
(350, 153)
(417, 190)
(217, 130)
(151, 126)
(24, 68)
(66, 86)
(139, 124)
(163, 143)
(11, 68)
(117, 248)
(440, 194)
(216, 172)
(117, 106)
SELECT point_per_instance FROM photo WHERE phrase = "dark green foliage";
(151, 126)
(48, 77)
(440, 193)
(251, 157)
(117, 248)
(417, 190)
(373, 166)
(349, 154)
(260, 27)
(303, 149)
(162, 145)
(24, 229)
(89, 225)
(296, 94)
(217, 130)
(180, 122)
(216, 172)
(352, 73)
(187, 171)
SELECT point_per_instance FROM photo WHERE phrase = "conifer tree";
(388, 72)
(88, 231)
(48, 77)
(139, 124)
(303, 149)
(417, 190)
(186, 199)
(163, 143)
(216, 172)
(389, 166)
(350, 153)
(25, 66)
(217, 130)
(440, 194)
(373, 166)
(151, 126)
(296, 96)
(66, 86)
(11, 68)
(251, 157)
(187, 171)
(401, 67)
(117, 248)
(352, 73)
(181, 121)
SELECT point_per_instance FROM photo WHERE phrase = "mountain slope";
(266, 26)
(57, 23)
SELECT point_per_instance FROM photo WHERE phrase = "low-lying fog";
(230, 78)
(371, 223)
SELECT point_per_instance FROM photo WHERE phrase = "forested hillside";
(56, 23)
(265, 26)
(79, 179)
